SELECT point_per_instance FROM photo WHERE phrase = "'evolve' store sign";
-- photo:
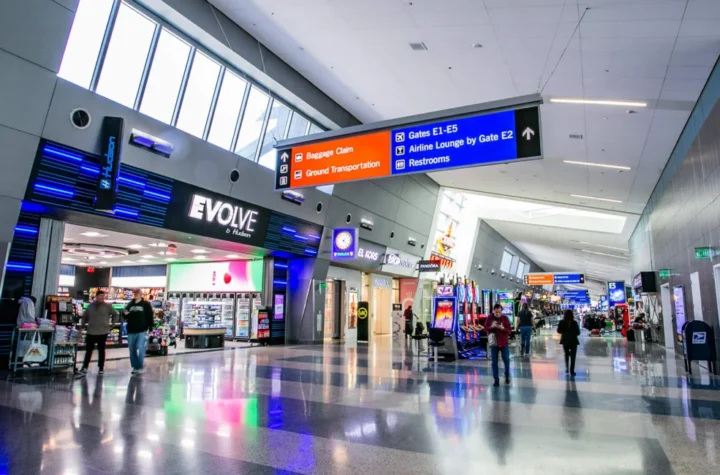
(209, 214)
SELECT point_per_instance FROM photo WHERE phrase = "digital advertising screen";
(679, 300)
(444, 313)
(233, 276)
(616, 293)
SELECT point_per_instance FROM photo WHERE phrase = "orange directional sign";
(358, 157)
(539, 279)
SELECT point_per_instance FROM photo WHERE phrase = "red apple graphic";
(227, 278)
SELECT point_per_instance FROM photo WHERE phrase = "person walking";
(498, 328)
(569, 330)
(97, 319)
(525, 324)
(139, 317)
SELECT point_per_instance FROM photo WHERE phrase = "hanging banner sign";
(418, 146)
(111, 147)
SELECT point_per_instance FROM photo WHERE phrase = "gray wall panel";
(25, 93)
(16, 156)
(35, 30)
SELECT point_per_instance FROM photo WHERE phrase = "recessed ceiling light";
(200, 251)
(93, 234)
(149, 256)
(68, 259)
(604, 254)
(603, 165)
(232, 256)
(143, 260)
(157, 244)
(602, 245)
(127, 262)
(201, 257)
(135, 246)
(598, 102)
(103, 262)
(170, 259)
(596, 198)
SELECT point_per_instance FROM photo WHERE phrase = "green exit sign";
(705, 252)
(665, 273)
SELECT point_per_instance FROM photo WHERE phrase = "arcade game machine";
(470, 314)
(622, 317)
(444, 316)
(506, 299)
(487, 302)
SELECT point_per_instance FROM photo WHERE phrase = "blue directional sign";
(569, 278)
(466, 142)
(572, 294)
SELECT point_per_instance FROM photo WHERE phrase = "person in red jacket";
(499, 326)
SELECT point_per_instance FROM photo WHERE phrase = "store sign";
(382, 282)
(397, 262)
(450, 142)
(344, 244)
(428, 266)
(111, 147)
(368, 254)
(235, 219)
(616, 293)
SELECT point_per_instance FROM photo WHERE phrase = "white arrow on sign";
(284, 157)
(528, 133)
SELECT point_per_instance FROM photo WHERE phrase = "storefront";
(377, 275)
(206, 261)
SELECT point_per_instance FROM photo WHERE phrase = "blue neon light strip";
(311, 251)
(156, 195)
(23, 229)
(19, 266)
(301, 237)
(52, 189)
(314, 236)
(61, 154)
(280, 266)
(92, 170)
(279, 282)
(126, 212)
(123, 179)
(289, 230)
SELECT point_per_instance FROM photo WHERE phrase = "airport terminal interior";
(359, 236)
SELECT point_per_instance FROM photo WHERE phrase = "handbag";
(492, 340)
(37, 352)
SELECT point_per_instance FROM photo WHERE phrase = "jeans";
(570, 354)
(525, 333)
(90, 342)
(494, 350)
(136, 343)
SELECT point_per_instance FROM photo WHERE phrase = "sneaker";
(101, 372)
(507, 379)
(81, 374)
(140, 371)
(496, 383)
(134, 371)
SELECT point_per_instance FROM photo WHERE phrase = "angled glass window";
(198, 95)
(275, 131)
(298, 126)
(85, 40)
(522, 268)
(227, 110)
(327, 189)
(314, 129)
(251, 127)
(506, 261)
(126, 56)
(165, 77)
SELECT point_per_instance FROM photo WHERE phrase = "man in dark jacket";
(525, 325)
(139, 317)
(499, 325)
(97, 318)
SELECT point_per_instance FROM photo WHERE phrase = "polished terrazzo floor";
(372, 409)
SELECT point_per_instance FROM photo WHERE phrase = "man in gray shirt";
(97, 317)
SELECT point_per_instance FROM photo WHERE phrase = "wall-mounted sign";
(363, 323)
(665, 273)
(428, 266)
(398, 262)
(368, 254)
(706, 252)
(111, 136)
(233, 276)
(344, 244)
(382, 282)
(352, 308)
(415, 147)
(445, 291)
(616, 293)
(679, 301)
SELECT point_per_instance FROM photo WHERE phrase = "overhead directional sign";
(569, 278)
(572, 294)
(539, 278)
(415, 146)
